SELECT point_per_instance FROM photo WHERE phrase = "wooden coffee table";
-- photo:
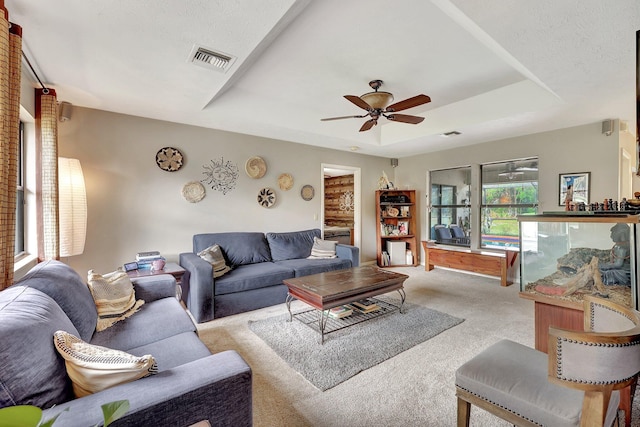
(335, 288)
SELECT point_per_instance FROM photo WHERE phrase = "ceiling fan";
(377, 104)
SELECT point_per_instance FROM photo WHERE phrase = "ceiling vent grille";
(450, 134)
(209, 58)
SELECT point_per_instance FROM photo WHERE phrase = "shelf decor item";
(255, 167)
(391, 211)
(169, 159)
(266, 197)
(193, 191)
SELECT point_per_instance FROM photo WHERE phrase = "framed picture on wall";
(574, 187)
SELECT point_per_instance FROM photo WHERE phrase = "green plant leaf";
(114, 410)
(50, 422)
(20, 416)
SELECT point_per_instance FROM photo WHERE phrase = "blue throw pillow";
(293, 245)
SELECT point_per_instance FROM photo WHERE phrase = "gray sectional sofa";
(192, 384)
(260, 262)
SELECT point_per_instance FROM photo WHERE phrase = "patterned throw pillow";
(323, 249)
(93, 368)
(213, 255)
(114, 297)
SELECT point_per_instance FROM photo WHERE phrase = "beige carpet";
(414, 388)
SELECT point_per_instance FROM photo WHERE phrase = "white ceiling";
(493, 68)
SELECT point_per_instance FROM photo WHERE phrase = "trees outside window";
(509, 189)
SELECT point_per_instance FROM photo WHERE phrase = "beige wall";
(135, 206)
(577, 149)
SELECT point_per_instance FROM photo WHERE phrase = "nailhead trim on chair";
(559, 354)
(499, 406)
(592, 317)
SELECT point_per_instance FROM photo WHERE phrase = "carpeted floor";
(348, 351)
(414, 388)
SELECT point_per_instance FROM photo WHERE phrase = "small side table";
(169, 268)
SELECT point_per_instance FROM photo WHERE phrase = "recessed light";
(448, 134)
(354, 148)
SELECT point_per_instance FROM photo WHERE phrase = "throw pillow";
(323, 249)
(93, 368)
(114, 297)
(213, 255)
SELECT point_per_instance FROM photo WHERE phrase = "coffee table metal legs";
(403, 296)
(323, 317)
(288, 302)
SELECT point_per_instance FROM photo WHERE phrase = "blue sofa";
(192, 384)
(260, 262)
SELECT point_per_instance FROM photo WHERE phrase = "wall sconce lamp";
(72, 207)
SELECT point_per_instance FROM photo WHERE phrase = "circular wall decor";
(193, 192)
(307, 192)
(266, 197)
(220, 175)
(285, 181)
(255, 167)
(169, 159)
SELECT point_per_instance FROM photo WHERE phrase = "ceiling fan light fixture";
(377, 100)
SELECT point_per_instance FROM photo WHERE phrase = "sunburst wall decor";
(220, 175)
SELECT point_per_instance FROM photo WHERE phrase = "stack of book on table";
(365, 306)
(340, 312)
(144, 259)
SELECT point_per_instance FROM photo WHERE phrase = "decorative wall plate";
(266, 197)
(307, 192)
(255, 167)
(193, 192)
(285, 181)
(169, 159)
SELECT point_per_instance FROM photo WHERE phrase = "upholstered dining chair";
(576, 384)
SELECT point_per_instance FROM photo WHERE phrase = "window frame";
(508, 242)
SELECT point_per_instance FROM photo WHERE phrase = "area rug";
(349, 351)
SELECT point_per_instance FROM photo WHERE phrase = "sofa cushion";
(306, 267)
(93, 368)
(323, 249)
(69, 291)
(213, 255)
(114, 297)
(238, 248)
(254, 276)
(292, 245)
(174, 351)
(155, 321)
(31, 371)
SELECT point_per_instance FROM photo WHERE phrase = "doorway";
(348, 202)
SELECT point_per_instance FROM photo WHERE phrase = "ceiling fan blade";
(368, 125)
(405, 118)
(359, 102)
(343, 117)
(408, 103)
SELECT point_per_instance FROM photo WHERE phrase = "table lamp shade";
(72, 207)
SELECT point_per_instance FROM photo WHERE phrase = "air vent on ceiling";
(209, 58)
(449, 134)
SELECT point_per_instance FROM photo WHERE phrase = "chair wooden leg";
(594, 407)
(464, 411)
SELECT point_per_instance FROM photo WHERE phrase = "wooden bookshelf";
(396, 210)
